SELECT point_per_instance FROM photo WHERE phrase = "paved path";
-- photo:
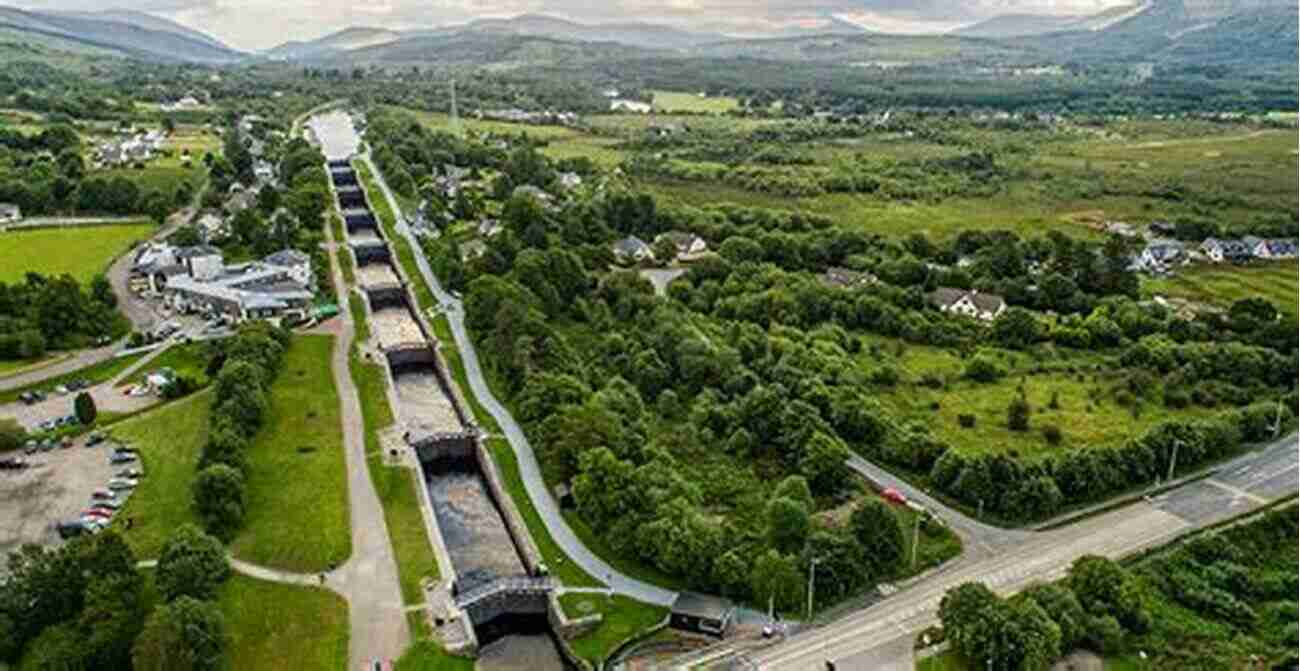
(529, 469)
(369, 578)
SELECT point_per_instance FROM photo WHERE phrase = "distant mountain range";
(1227, 32)
(128, 33)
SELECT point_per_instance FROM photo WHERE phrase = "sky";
(260, 24)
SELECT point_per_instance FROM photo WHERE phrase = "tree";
(1016, 635)
(876, 529)
(1104, 587)
(795, 488)
(984, 367)
(1018, 414)
(775, 579)
(191, 563)
(184, 635)
(1017, 328)
(12, 435)
(156, 205)
(1062, 607)
(823, 463)
(219, 499)
(112, 618)
(84, 407)
(787, 525)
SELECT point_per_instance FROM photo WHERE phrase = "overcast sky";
(259, 24)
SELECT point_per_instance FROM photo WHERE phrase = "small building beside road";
(702, 614)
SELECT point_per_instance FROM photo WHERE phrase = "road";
(858, 641)
(529, 469)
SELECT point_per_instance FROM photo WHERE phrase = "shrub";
(84, 406)
(1018, 414)
(966, 421)
(1052, 434)
(1177, 399)
(1055, 403)
(984, 367)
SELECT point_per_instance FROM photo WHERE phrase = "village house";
(843, 278)
(570, 180)
(488, 228)
(631, 249)
(689, 246)
(10, 213)
(985, 307)
(472, 249)
(1159, 256)
(1218, 251)
(212, 227)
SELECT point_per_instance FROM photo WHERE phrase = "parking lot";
(56, 486)
(107, 399)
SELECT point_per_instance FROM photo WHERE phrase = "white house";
(688, 245)
(631, 249)
(985, 307)
(295, 262)
(10, 213)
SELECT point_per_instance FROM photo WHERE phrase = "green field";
(170, 440)
(1088, 413)
(677, 101)
(297, 491)
(440, 121)
(1221, 284)
(81, 251)
(621, 618)
(273, 627)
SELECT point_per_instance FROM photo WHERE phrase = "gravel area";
(56, 486)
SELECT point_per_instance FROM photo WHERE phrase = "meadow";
(81, 251)
(621, 618)
(169, 440)
(297, 492)
(1221, 284)
(679, 101)
(272, 626)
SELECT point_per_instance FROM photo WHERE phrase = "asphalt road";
(529, 469)
(862, 640)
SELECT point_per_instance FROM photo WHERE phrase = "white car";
(122, 483)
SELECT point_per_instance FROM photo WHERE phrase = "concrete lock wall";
(507, 602)
(528, 551)
(368, 254)
(409, 357)
(385, 297)
(356, 222)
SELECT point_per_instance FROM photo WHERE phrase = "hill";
(148, 21)
(343, 40)
(114, 34)
(480, 48)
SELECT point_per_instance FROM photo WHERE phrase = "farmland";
(677, 101)
(1221, 284)
(82, 251)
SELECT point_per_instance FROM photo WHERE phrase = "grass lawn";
(186, 360)
(81, 251)
(556, 560)
(15, 366)
(603, 151)
(427, 655)
(273, 627)
(297, 490)
(97, 373)
(679, 101)
(621, 619)
(440, 121)
(170, 439)
(1221, 284)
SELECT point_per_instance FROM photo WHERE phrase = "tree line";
(44, 313)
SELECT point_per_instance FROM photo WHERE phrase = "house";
(570, 180)
(985, 307)
(1161, 227)
(843, 278)
(689, 245)
(1258, 247)
(1282, 248)
(631, 249)
(212, 227)
(1120, 228)
(1218, 251)
(489, 227)
(10, 213)
(701, 613)
(264, 171)
(472, 249)
(623, 104)
(1160, 255)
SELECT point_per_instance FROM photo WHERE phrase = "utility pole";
(812, 571)
(1277, 420)
(1173, 459)
(916, 538)
(455, 116)
(980, 516)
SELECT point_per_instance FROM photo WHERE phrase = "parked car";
(101, 494)
(70, 529)
(12, 463)
(95, 438)
(104, 509)
(120, 457)
(66, 442)
(30, 447)
(30, 397)
(122, 483)
(47, 444)
(135, 473)
(893, 496)
(111, 504)
(96, 512)
(61, 390)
